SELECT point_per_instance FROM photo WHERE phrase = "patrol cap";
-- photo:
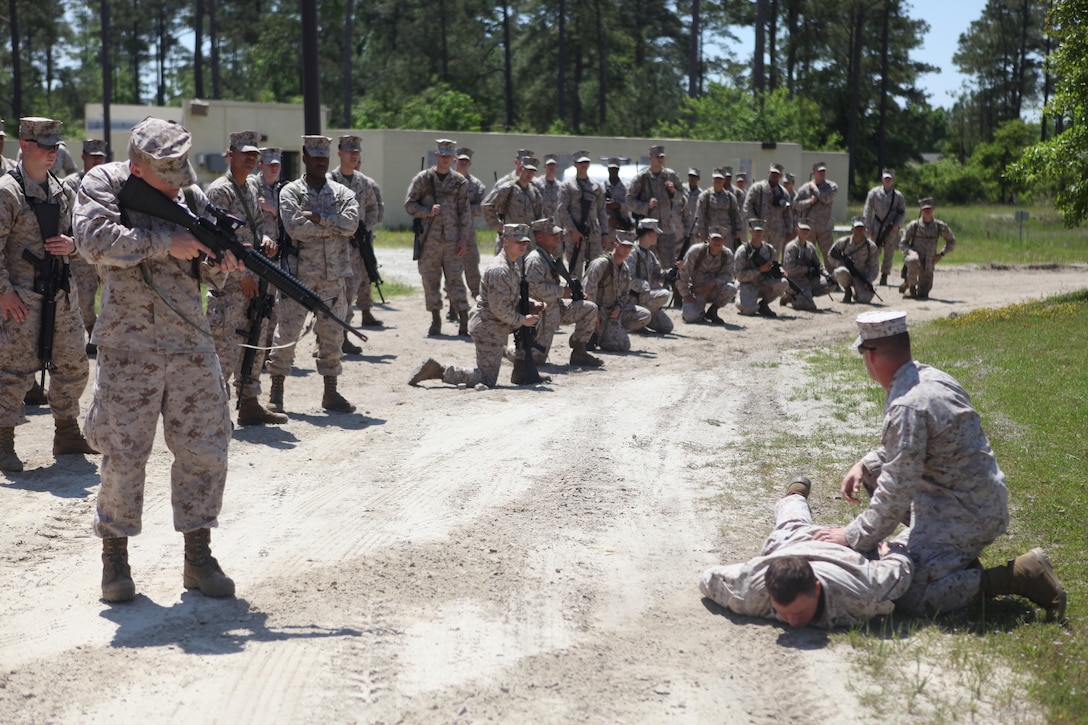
(819, 166)
(522, 153)
(657, 151)
(777, 168)
(625, 238)
(926, 203)
(756, 224)
(350, 143)
(164, 147)
(530, 163)
(790, 178)
(741, 176)
(581, 156)
(271, 155)
(45, 131)
(648, 223)
(445, 147)
(722, 172)
(804, 225)
(551, 159)
(877, 324)
(857, 222)
(613, 162)
(716, 232)
(888, 174)
(517, 232)
(546, 226)
(316, 146)
(465, 153)
(94, 147)
(694, 172)
(245, 141)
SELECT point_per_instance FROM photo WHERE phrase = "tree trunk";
(693, 52)
(346, 69)
(1046, 82)
(198, 48)
(561, 62)
(508, 73)
(792, 13)
(854, 110)
(882, 123)
(758, 81)
(134, 59)
(772, 45)
(107, 81)
(576, 97)
(602, 68)
(16, 63)
(160, 57)
(444, 45)
(213, 38)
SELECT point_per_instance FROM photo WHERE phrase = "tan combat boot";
(368, 320)
(67, 439)
(429, 369)
(800, 486)
(436, 324)
(580, 356)
(251, 412)
(333, 400)
(1029, 575)
(275, 396)
(117, 584)
(202, 571)
(8, 460)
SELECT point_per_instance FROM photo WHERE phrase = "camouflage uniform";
(547, 285)
(549, 194)
(573, 195)
(19, 231)
(609, 285)
(935, 462)
(759, 203)
(156, 356)
(513, 204)
(617, 193)
(691, 201)
(323, 266)
(442, 234)
(853, 587)
(803, 266)
(228, 305)
(83, 274)
(646, 272)
(476, 193)
(884, 210)
(864, 255)
(493, 318)
(371, 211)
(668, 212)
(717, 209)
(700, 267)
(814, 203)
(6, 164)
(919, 247)
(754, 286)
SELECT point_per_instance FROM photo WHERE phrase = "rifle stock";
(139, 196)
(525, 372)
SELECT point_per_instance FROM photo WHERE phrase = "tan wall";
(392, 157)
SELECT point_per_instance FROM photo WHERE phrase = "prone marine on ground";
(935, 466)
(494, 317)
(706, 279)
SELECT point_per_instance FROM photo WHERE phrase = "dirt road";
(444, 555)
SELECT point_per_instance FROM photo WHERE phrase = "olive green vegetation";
(990, 234)
(393, 238)
(1023, 366)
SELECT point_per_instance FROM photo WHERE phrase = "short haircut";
(894, 344)
(643, 231)
(787, 577)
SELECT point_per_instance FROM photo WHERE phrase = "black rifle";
(673, 274)
(139, 196)
(419, 234)
(776, 272)
(525, 372)
(286, 247)
(50, 277)
(260, 308)
(853, 270)
(573, 281)
(363, 240)
(780, 198)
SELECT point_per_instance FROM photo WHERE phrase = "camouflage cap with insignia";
(94, 147)
(790, 178)
(878, 324)
(777, 168)
(648, 223)
(926, 203)
(804, 225)
(581, 156)
(740, 176)
(530, 163)
(625, 238)
(164, 147)
(316, 146)
(551, 159)
(756, 224)
(693, 171)
(44, 131)
(445, 147)
(857, 222)
(723, 172)
(716, 232)
(245, 141)
(465, 153)
(350, 143)
(887, 174)
(613, 162)
(546, 226)
(657, 151)
(271, 155)
(517, 232)
(819, 166)
(522, 153)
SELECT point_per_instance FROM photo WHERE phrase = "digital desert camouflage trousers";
(227, 316)
(19, 361)
(768, 290)
(722, 294)
(655, 301)
(946, 577)
(330, 336)
(581, 314)
(86, 282)
(440, 259)
(131, 391)
(490, 340)
(613, 331)
(358, 285)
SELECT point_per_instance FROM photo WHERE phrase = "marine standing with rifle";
(884, 213)
(40, 327)
(438, 199)
(717, 208)
(349, 149)
(920, 250)
(476, 193)
(238, 303)
(856, 261)
(815, 201)
(156, 357)
(583, 214)
(768, 201)
(494, 317)
(84, 275)
(320, 216)
(656, 193)
(615, 203)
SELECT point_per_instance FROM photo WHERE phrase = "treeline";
(830, 75)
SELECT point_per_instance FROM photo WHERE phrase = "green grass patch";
(988, 234)
(393, 289)
(393, 238)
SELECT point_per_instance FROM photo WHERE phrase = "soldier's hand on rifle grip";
(12, 306)
(60, 246)
(249, 286)
(531, 320)
(269, 247)
(184, 246)
(767, 267)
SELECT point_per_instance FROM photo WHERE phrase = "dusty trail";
(446, 555)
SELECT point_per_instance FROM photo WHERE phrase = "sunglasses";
(862, 349)
(47, 146)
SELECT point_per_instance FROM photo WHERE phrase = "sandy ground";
(444, 555)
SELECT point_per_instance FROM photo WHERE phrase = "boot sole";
(128, 593)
